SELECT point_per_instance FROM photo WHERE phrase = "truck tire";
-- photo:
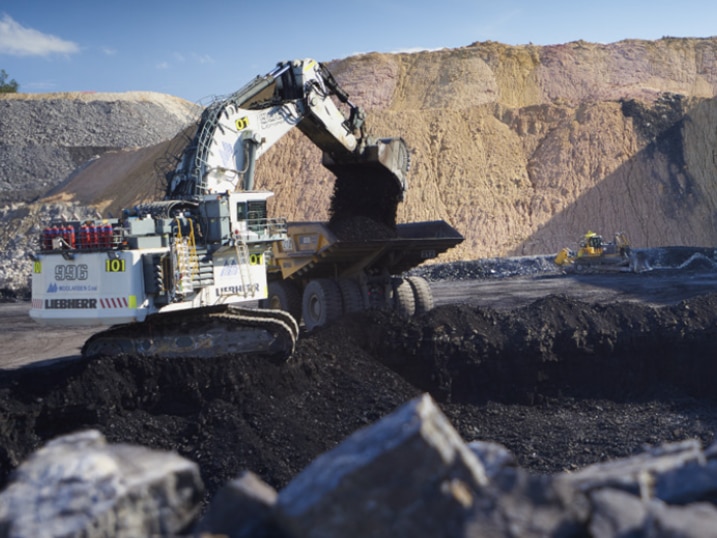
(321, 302)
(422, 293)
(283, 295)
(351, 296)
(403, 300)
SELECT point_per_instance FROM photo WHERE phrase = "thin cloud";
(109, 51)
(16, 40)
(43, 86)
(401, 50)
(411, 50)
(203, 58)
(498, 25)
(179, 58)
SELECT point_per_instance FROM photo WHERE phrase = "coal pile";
(227, 415)
(367, 195)
(560, 383)
(489, 268)
(361, 228)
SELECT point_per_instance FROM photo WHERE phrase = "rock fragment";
(409, 474)
(241, 509)
(78, 485)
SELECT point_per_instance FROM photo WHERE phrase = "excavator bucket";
(371, 183)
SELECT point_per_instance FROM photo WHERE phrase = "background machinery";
(170, 277)
(594, 253)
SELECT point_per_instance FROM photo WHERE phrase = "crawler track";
(211, 332)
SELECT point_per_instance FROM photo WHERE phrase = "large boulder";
(78, 485)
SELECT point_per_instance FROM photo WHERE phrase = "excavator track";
(210, 332)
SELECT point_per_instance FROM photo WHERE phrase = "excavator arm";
(234, 132)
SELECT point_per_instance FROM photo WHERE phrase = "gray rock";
(494, 456)
(43, 139)
(520, 504)
(241, 509)
(410, 474)
(695, 481)
(77, 485)
(636, 475)
(616, 514)
(697, 520)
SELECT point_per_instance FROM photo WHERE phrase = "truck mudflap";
(314, 251)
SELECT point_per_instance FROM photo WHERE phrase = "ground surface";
(563, 370)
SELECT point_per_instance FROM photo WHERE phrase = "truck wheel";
(283, 295)
(321, 302)
(403, 301)
(422, 293)
(351, 296)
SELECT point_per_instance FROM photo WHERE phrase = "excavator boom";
(234, 132)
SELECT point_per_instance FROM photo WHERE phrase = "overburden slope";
(521, 148)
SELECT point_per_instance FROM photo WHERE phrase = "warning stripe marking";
(113, 302)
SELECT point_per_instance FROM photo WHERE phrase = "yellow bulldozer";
(595, 254)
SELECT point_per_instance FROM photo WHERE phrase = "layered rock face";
(522, 148)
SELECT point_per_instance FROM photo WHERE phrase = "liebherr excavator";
(170, 277)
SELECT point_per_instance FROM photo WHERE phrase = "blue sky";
(197, 50)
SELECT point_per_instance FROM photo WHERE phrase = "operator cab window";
(241, 211)
(253, 212)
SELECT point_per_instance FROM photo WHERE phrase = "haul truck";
(318, 276)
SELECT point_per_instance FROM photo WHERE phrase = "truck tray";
(314, 251)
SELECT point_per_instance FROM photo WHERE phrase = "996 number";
(71, 272)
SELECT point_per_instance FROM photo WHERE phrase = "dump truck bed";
(314, 251)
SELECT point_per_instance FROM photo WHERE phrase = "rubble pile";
(544, 393)
(46, 137)
(409, 474)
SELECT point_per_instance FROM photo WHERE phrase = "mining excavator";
(205, 272)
